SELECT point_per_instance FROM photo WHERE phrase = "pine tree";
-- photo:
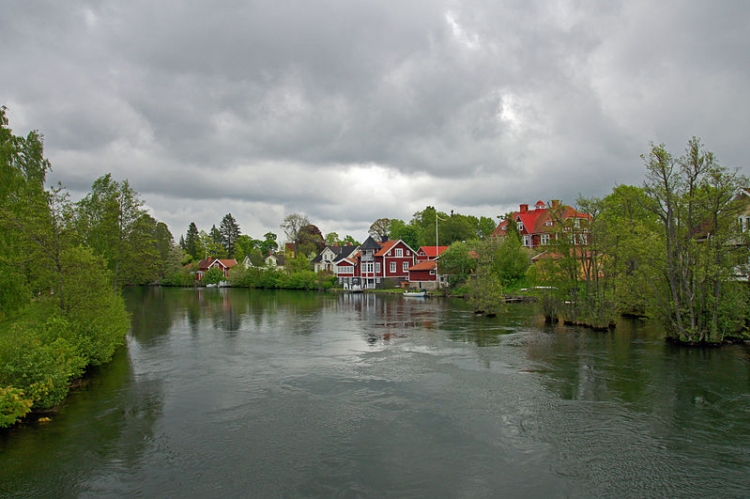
(229, 231)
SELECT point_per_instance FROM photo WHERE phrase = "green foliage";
(77, 317)
(193, 245)
(109, 220)
(630, 235)
(511, 260)
(457, 263)
(485, 287)
(13, 405)
(246, 245)
(310, 241)
(229, 232)
(693, 197)
(299, 263)
(212, 276)
(95, 310)
(40, 360)
(269, 243)
(380, 228)
(407, 233)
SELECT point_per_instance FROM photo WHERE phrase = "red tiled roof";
(386, 247)
(535, 220)
(426, 265)
(432, 251)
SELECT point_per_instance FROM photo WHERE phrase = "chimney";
(524, 208)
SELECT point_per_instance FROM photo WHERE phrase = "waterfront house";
(223, 264)
(542, 224)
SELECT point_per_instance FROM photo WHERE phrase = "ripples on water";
(235, 393)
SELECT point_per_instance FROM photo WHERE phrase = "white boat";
(415, 294)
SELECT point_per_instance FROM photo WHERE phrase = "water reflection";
(245, 393)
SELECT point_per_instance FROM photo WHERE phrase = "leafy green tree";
(299, 263)
(145, 262)
(212, 276)
(310, 240)
(694, 199)
(348, 239)
(269, 244)
(229, 231)
(405, 232)
(332, 239)
(485, 227)
(107, 217)
(457, 263)
(292, 225)
(485, 288)
(211, 247)
(245, 246)
(380, 228)
(457, 228)
(632, 238)
(23, 171)
(511, 260)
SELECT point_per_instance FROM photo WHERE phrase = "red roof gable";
(426, 265)
(538, 220)
(432, 251)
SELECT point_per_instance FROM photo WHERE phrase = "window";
(519, 225)
(527, 241)
(346, 270)
(405, 266)
(377, 267)
(545, 238)
(548, 223)
(432, 272)
(399, 252)
(393, 267)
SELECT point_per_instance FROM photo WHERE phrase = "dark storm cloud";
(351, 111)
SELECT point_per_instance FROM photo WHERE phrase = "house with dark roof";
(326, 260)
(541, 224)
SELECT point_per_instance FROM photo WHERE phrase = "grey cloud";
(274, 107)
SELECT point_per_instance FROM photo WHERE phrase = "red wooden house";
(375, 262)
(224, 264)
(424, 274)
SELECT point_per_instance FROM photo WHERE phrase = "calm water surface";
(239, 393)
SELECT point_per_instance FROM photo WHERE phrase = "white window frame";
(405, 266)
(544, 239)
(527, 241)
(393, 267)
(399, 252)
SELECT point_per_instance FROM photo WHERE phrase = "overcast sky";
(348, 111)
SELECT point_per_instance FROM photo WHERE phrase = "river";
(243, 393)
